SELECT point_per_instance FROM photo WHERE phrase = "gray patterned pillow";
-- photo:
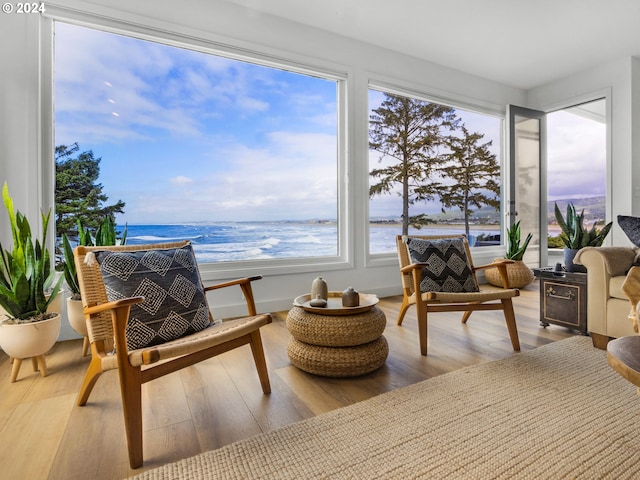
(448, 267)
(631, 227)
(175, 304)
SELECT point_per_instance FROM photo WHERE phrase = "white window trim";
(192, 41)
(450, 100)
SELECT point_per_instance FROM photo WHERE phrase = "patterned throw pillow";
(448, 268)
(631, 227)
(175, 304)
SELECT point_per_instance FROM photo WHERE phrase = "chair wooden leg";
(258, 358)
(465, 316)
(403, 310)
(422, 330)
(131, 391)
(510, 318)
(90, 378)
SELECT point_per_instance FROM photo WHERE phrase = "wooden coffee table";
(623, 354)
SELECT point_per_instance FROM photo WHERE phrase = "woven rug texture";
(556, 412)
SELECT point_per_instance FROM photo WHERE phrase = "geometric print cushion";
(448, 268)
(174, 302)
(631, 227)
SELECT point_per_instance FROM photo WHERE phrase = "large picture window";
(239, 157)
(433, 169)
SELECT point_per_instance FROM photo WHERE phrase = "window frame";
(197, 42)
(453, 101)
(555, 254)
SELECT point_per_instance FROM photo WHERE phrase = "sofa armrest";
(615, 260)
(602, 263)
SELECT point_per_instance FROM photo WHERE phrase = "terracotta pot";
(519, 274)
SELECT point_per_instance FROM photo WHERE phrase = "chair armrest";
(245, 285)
(238, 281)
(496, 264)
(119, 317)
(501, 265)
(103, 307)
(413, 266)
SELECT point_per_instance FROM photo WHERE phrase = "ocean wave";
(305, 239)
(271, 242)
(153, 238)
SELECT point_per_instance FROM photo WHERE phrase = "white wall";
(28, 170)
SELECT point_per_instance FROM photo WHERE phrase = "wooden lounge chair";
(419, 276)
(113, 321)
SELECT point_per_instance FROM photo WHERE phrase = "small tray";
(334, 304)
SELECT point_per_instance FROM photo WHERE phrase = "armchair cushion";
(448, 268)
(175, 304)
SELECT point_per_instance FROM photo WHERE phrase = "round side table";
(337, 345)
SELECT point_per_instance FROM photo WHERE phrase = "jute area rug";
(556, 412)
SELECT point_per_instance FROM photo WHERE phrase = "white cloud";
(181, 180)
(293, 177)
(577, 156)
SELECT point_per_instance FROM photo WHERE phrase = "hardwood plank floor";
(43, 434)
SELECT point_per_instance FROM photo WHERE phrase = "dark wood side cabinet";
(563, 299)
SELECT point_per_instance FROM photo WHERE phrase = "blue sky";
(186, 136)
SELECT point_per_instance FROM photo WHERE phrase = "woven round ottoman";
(337, 345)
(336, 330)
(338, 361)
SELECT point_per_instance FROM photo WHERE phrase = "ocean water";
(263, 240)
(243, 241)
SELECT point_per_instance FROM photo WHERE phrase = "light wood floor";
(43, 434)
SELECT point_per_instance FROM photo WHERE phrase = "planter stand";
(39, 363)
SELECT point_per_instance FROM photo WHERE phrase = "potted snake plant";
(576, 236)
(518, 272)
(105, 234)
(28, 287)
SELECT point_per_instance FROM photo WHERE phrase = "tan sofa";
(607, 306)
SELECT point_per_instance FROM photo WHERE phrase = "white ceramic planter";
(75, 314)
(26, 340)
(29, 340)
(56, 305)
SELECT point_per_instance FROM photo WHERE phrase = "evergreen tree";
(78, 195)
(410, 132)
(471, 175)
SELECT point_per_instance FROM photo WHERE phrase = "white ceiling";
(521, 43)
